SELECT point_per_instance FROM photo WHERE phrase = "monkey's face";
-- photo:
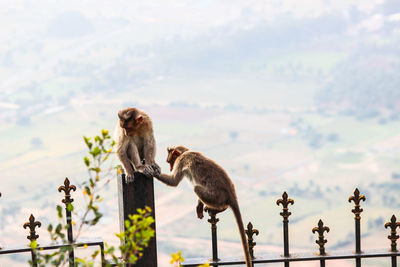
(130, 122)
(130, 126)
(172, 155)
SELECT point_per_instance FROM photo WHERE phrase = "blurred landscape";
(302, 97)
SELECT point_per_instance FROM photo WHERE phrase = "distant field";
(263, 150)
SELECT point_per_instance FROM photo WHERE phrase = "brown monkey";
(135, 142)
(211, 184)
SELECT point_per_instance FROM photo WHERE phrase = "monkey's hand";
(156, 170)
(199, 210)
(148, 171)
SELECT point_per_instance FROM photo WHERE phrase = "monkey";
(211, 184)
(135, 142)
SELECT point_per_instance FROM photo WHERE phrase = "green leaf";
(64, 249)
(87, 141)
(104, 133)
(87, 190)
(87, 161)
(97, 169)
(33, 244)
(70, 207)
(94, 255)
(96, 151)
(59, 211)
(58, 229)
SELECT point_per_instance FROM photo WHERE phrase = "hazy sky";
(36, 36)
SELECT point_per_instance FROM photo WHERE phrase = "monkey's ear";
(120, 115)
(139, 119)
(176, 153)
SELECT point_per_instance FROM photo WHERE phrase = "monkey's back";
(206, 171)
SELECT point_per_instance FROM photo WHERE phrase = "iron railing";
(32, 224)
(320, 229)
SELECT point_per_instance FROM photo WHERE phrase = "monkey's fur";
(211, 184)
(135, 142)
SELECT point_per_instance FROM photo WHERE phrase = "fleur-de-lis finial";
(32, 224)
(393, 224)
(250, 232)
(321, 241)
(285, 201)
(67, 187)
(357, 198)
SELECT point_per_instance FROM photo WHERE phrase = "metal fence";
(133, 193)
(32, 224)
(320, 229)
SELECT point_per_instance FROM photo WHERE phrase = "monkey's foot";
(199, 210)
(130, 178)
(213, 210)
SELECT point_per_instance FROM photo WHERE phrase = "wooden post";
(136, 195)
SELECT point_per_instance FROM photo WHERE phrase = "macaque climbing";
(211, 184)
(135, 142)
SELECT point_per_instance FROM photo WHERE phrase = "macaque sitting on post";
(211, 184)
(135, 142)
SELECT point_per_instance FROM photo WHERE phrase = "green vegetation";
(134, 239)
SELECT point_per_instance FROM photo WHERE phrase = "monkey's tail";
(239, 221)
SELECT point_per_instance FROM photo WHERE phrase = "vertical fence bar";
(285, 201)
(131, 196)
(32, 224)
(213, 221)
(103, 261)
(67, 187)
(286, 241)
(357, 211)
(321, 239)
(358, 241)
(393, 224)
